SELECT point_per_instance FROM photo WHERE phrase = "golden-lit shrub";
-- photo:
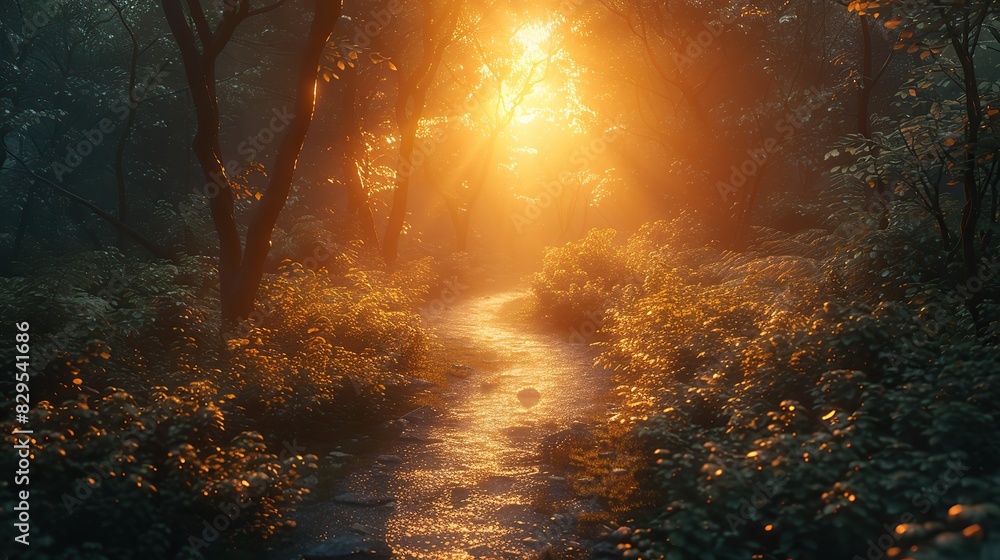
(166, 416)
(149, 473)
(797, 397)
(577, 279)
(321, 345)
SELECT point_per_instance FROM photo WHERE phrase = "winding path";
(467, 477)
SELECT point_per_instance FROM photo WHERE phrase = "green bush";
(128, 478)
(801, 397)
(325, 348)
(577, 279)
(156, 418)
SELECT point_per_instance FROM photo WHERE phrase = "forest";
(500, 279)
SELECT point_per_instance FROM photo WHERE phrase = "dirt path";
(466, 479)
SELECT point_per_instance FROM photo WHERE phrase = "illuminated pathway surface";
(478, 488)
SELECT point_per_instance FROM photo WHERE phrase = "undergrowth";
(823, 394)
(159, 438)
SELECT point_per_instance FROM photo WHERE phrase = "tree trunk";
(971, 208)
(199, 69)
(133, 108)
(400, 194)
(241, 270)
(478, 184)
(258, 244)
(358, 205)
(410, 102)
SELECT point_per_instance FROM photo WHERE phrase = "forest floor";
(467, 474)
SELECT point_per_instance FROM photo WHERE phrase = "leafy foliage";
(153, 425)
(130, 478)
(799, 397)
(577, 279)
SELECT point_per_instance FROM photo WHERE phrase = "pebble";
(358, 499)
(529, 397)
(620, 534)
(416, 438)
(350, 547)
(361, 529)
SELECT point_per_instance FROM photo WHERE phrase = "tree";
(351, 70)
(956, 130)
(242, 267)
(720, 79)
(62, 101)
(437, 32)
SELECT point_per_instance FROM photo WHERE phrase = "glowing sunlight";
(500, 279)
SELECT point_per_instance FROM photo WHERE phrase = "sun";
(534, 41)
(531, 51)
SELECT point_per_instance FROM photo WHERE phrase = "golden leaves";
(893, 23)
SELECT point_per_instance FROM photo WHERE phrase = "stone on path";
(350, 547)
(417, 383)
(421, 414)
(360, 529)
(529, 397)
(413, 437)
(359, 499)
